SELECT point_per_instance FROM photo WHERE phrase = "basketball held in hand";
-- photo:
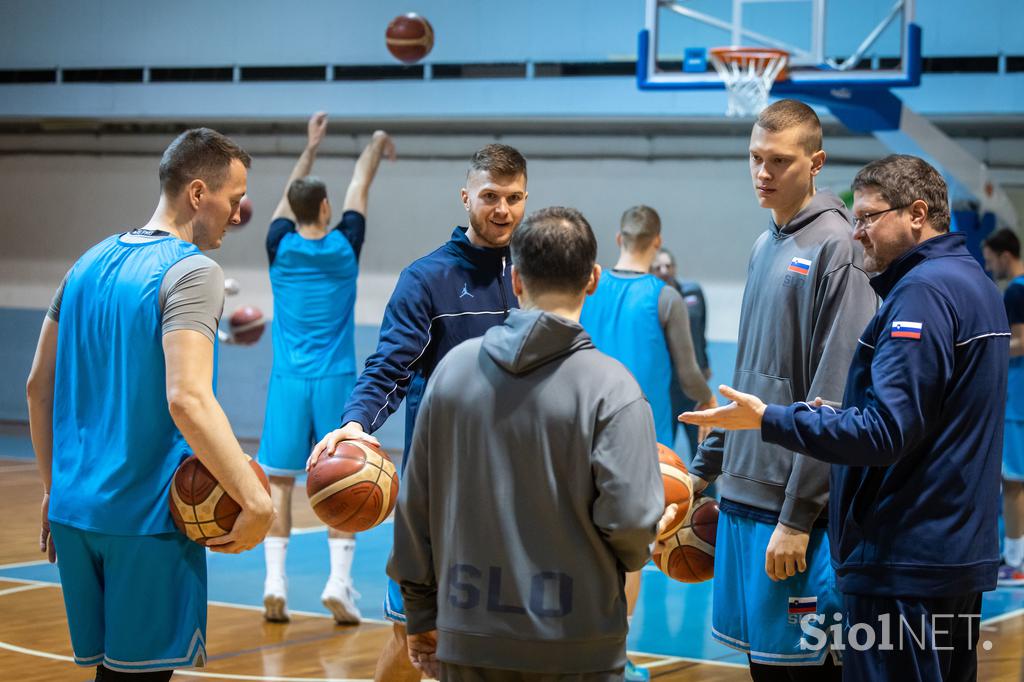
(200, 507)
(353, 488)
(678, 488)
(688, 555)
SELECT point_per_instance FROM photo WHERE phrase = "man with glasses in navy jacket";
(916, 446)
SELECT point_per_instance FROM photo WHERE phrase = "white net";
(748, 74)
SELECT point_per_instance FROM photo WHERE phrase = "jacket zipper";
(501, 286)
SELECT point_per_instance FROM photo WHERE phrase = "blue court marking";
(16, 447)
(671, 619)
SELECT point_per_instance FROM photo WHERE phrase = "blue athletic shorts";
(1013, 450)
(760, 617)
(300, 411)
(394, 607)
(134, 603)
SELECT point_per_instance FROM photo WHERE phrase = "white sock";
(343, 550)
(1014, 551)
(275, 549)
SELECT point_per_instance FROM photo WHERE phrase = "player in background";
(313, 271)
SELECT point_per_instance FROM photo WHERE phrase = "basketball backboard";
(832, 44)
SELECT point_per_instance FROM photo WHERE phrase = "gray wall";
(55, 206)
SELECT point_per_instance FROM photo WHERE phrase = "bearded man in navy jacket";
(916, 445)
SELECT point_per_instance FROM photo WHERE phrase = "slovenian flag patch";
(801, 266)
(901, 329)
(803, 605)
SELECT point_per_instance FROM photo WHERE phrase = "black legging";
(828, 672)
(104, 674)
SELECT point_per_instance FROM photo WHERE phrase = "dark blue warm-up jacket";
(918, 444)
(453, 294)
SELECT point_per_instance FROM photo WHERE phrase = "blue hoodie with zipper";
(914, 499)
(455, 293)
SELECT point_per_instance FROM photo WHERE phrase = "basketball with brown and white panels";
(354, 487)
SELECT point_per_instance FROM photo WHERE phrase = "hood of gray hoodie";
(822, 201)
(532, 338)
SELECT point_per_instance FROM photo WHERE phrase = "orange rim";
(744, 55)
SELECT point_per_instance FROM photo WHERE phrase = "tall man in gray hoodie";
(806, 302)
(532, 484)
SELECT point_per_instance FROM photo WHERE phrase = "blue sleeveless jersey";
(314, 283)
(622, 319)
(115, 447)
(1014, 303)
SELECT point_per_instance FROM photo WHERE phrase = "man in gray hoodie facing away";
(532, 484)
(806, 303)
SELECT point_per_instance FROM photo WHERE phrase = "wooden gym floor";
(34, 644)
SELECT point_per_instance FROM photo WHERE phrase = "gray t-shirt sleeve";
(54, 311)
(675, 320)
(192, 296)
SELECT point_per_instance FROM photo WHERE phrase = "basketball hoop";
(748, 74)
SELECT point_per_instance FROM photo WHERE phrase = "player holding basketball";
(916, 448)
(455, 293)
(556, 441)
(1002, 258)
(805, 302)
(643, 323)
(313, 271)
(116, 400)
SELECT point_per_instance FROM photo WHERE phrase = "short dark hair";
(639, 226)
(199, 153)
(554, 249)
(499, 160)
(671, 256)
(1003, 241)
(790, 113)
(902, 179)
(305, 196)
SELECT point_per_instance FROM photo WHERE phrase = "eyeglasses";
(869, 219)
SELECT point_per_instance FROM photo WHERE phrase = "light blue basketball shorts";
(1013, 450)
(134, 603)
(394, 606)
(300, 411)
(760, 617)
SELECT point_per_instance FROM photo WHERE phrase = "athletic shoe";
(1010, 576)
(636, 674)
(275, 601)
(340, 600)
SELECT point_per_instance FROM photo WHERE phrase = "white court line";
(34, 652)
(670, 660)
(1000, 618)
(26, 581)
(311, 614)
(664, 660)
(23, 564)
(24, 588)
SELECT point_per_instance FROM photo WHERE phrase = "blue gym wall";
(124, 33)
(56, 203)
(243, 374)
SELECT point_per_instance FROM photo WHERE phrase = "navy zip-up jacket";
(455, 293)
(918, 443)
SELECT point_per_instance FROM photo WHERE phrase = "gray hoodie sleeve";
(411, 564)
(630, 496)
(845, 305)
(675, 320)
